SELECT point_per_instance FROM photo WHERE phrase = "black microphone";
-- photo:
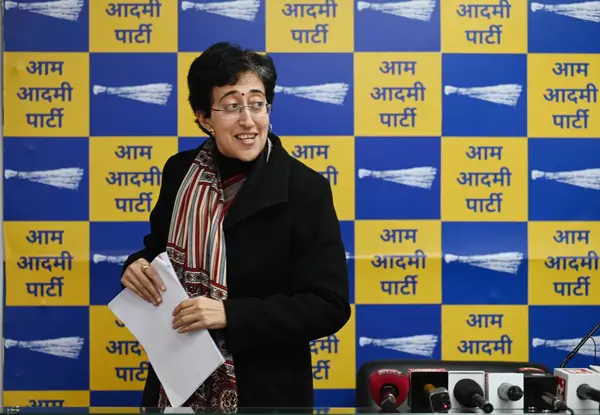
(540, 391)
(579, 345)
(587, 392)
(389, 388)
(557, 404)
(578, 387)
(469, 394)
(509, 392)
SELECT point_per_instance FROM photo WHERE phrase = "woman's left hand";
(199, 313)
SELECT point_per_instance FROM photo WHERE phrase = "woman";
(254, 238)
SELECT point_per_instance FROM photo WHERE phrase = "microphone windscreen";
(388, 377)
(464, 390)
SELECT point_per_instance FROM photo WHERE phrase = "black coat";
(287, 275)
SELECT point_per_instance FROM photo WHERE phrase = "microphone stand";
(579, 346)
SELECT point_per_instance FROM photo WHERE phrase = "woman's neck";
(229, 167)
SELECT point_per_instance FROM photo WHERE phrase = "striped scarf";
(196, 248)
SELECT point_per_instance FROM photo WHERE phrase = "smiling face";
(241, 135)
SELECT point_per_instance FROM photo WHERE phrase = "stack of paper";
(182, 361)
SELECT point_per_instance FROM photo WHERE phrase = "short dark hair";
(222, 64)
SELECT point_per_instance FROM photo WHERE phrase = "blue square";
(108, 254)
(348, 240)
(190, 143)
(406, 26)
(28, 28)
(494, 272)
(397, 178)
(334, 398)
(42, 365)
(133, 94)
(121, 399)
(563, 26)
(201, 24)
(314, 102)
(46, 179)
(418, 336)
(554, 331)
(563, 179)
(484, 95)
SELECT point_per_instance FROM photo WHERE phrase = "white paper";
(182, 361)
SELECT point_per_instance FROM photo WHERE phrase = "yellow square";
(397, 94)
(563, 91)
(333, 157)
(484, 26)
(398, 262)
(485, 333)
(47, 263)
(485, 179)
(564, 263)
(185, 115)
(334, 357)
(47, 399)
(46, 94)
(117, 360)
(326, 26)
(148, 26)
(126, 175)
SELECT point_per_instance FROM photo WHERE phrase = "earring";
(270, 127)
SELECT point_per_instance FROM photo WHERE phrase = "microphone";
(469, 394)
(505, 390)
(389, 388)
(467, 390)
(439, 398)
(579, 345)
(586, 392)
(578, 387)
(540, 391)
(509, 392)
(429, 390)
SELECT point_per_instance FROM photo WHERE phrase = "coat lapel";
(267, 186)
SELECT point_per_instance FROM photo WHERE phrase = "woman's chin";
(247, 150)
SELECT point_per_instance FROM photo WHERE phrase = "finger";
(183, 305)
(148, 285)
(130, 286)
(186, 316)
(185, 321)
(156, 280)
(128, 281)
(186, 312)
(143, 291)
(135, 280)
(191, 327)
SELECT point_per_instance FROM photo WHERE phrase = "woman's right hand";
(144, 281)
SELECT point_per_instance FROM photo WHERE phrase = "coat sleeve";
(319, 305)
(160, 218)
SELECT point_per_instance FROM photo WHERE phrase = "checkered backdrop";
(461, 140)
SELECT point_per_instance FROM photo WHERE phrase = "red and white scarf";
(196, 248)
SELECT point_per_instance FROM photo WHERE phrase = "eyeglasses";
(259, 109)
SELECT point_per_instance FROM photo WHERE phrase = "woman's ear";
(204, 121)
